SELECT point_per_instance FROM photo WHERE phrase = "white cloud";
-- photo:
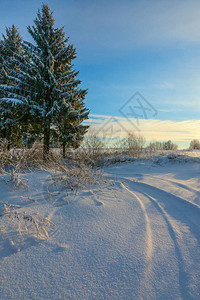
(117, 127)
(164, 86)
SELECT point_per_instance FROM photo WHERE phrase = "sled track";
(170, 207)
(149, 247)
(178, 184)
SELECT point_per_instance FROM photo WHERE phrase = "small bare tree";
(134, 143)
(94, 145)
(195, 144)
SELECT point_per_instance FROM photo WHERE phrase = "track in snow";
(181, 221)
(149, 245)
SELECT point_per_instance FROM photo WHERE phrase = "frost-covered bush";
(28, 222)
(195, 145)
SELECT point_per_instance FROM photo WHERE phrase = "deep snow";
(137, 238)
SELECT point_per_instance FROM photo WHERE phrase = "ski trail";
(149, 240)
(187, 212)
(186, 203)
(179, 184)
(172, 233)
(172, 208)
(147, 274)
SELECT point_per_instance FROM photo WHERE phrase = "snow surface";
(137, 238)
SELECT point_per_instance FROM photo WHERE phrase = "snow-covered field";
(136, 237)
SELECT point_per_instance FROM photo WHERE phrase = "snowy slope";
(137, 238)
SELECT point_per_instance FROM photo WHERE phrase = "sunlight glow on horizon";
(181, 132)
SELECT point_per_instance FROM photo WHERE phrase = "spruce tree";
(10, 44)
(45, 84)
(69, 120)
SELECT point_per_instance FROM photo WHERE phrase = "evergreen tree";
(69, 121)
(45, 85)
(11, 43)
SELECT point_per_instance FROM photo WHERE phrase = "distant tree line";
(135, 144)
(40, 95)
(162, 146)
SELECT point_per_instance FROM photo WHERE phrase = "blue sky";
(124, 47)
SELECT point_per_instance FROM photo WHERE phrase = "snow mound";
(175, 158)
(159, 159)
(114, 160)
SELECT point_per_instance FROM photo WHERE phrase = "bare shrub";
(134, 144)
(6, 157)
(28, 222)
(73, 174)
(20, 158)
(25, 158)
(195, 145)
(29, 157)
(16, 179)
(93, 145)
(79, 177)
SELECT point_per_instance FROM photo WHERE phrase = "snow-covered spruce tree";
(45, 82)
(69, 122)
(16, 72)
(11, 43)
(64, 106)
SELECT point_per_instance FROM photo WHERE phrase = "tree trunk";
(8, 133)
(8, 145)
(46, 141)
(64, 146)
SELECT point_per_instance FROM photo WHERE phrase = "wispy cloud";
(116, 25)
(137, 23)
(164, 86)
(116, 127)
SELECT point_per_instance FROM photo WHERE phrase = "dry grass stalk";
(29, 222)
